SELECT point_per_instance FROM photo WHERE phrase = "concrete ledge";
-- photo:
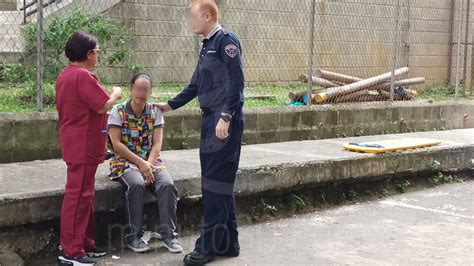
(32, 192)
(34, 136)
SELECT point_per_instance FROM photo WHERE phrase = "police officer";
(218, 82)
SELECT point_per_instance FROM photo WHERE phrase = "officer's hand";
(164, 107)
(222, 129)
(146, 169)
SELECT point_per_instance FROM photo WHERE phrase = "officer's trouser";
(219, 164)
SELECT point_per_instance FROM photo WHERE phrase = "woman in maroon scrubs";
(82, 105)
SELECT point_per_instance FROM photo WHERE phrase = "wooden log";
(357, 86)
(317, 81)
(361, 96)
(399, 83)
(369, 96)
(341, 78)
(333, 76)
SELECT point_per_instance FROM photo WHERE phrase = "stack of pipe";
(344, 88)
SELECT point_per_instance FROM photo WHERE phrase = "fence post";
(39, 58)
(451, 42)
(466, 41)
(458, 56)
(24, 12)
(471, 88)
(311, 53)
(407, 38)
(394, 50)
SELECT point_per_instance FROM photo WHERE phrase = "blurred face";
(93, 57)
(200, 22)
(141, 91)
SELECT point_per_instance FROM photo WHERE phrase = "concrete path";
(430, 227)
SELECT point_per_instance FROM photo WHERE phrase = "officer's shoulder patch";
(231, 50)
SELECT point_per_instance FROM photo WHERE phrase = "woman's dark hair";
(78, 45)
(140, 75)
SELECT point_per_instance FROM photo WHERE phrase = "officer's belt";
(207, 111)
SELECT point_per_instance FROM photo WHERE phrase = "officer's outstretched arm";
(189, 93)
(232, 58)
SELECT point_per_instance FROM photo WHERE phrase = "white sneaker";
(138, 245)
(63, 260)
(149, 235)
(172, 245)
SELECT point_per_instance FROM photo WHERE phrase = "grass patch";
(21, 97)
(439, 93)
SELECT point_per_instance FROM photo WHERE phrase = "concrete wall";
(465, 54)
(354, 37)
(7, 5)
(33, 136)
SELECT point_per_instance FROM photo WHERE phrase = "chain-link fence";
(295, 52)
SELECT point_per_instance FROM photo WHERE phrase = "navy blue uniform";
(218, 82)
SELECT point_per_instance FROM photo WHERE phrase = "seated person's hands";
(146, 169)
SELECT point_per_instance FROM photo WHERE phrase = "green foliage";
(268, 208)
(352, 194)
(438, 177)
(14, 73)
(296, 202)
(30, 92)
(360, 132)
(403, 186)
(60, 27)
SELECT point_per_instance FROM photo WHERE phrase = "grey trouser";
(166, 198)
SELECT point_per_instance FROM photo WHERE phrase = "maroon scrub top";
(82, 131)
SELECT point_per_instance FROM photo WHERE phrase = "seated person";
(136, 135)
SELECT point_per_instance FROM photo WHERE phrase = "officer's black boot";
(197, 258)
(232, 251)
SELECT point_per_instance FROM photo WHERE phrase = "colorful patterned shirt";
(137, 135)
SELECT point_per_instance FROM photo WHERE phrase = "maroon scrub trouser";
(77, 212)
